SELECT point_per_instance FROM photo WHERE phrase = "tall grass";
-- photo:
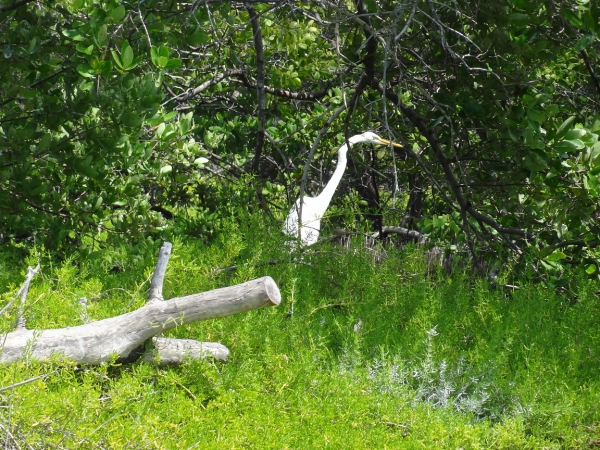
(358, 355)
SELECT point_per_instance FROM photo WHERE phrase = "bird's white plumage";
(313, 208)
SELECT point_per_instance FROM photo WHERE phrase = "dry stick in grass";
(21, 383)
(23, 292)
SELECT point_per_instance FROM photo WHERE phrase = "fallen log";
(169, 351)
(102, 341)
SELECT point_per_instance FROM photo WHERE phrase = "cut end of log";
(272, 291)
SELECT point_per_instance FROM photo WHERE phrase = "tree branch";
(240, 77)
(159, 272)
(590, 70)
(260, 87)
(14, 5)
(368, 60)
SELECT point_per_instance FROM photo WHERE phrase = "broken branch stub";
(159, 272)
(100, 341)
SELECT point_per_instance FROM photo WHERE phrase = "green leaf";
(595, 151)
(198, 38)
(518, 19)
(86, 71)
(131, 119)
(573, 18)
(568, 146)
(126, 55)
(76, 35)
(536, 115)
(562, 130)
(84, 48)
(591, 269)
(106, 68)
(162, 61)
(102, 35)
(32, 44)
(173, 64)
(574, 133)
(86, 169)
(552, 109)
(95, 255)
(45, 141)
(161, 129)
(166, 169)
(42, 189)
(545, 252)
(163, 51)
(440, 221)
(154, 55)
(557, 255)
(118, 13)
(117, 58)
(170, 115)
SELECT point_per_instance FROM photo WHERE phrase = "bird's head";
(371, 138)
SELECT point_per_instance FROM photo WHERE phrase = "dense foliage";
(120, 118)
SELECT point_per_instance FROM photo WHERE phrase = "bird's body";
(313, 208)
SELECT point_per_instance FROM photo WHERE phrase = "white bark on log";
(168, 351)
(100, 341)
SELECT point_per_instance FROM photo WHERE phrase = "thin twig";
(21, 383)
(20, 317)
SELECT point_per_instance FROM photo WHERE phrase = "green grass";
(437, 362)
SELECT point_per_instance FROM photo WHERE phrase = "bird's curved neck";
(334, 181)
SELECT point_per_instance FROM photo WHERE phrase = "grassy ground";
(358, 355)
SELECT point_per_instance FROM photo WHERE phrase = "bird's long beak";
(386, 142)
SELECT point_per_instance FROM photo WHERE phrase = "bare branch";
(417, 235)
(30, 274)
(159, 272)
(260, 87)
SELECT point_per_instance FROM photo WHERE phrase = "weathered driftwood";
(168, 351)
(101, 341)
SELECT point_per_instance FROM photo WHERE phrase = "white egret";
(313, 208)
